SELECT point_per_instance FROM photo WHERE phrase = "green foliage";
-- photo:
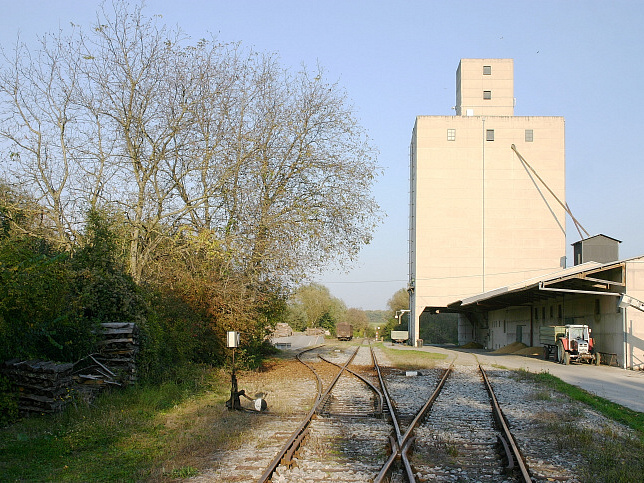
(176, 332)
(327, 322)
(377, 317)
(621, 414)
(439, 328)
(391, 324)
(184, 472)
(398, 301)
(103, 288)
(609, 457)
(358, 319)
(313, 306)
(215, 231)
(38, 316)
(251, 354)
(8, 402)
(51, 303)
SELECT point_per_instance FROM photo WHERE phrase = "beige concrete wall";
(481, 218)
(504, 327)
(634, 319)
(599, 312)
(471, 82)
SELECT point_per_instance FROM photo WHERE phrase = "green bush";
(52, 300)
(439, 328)
(8, 402)
(103, 289)
(51, 303)
(37, 310)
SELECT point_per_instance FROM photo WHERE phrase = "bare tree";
(209, 138)
(303, 195)
(37, 111)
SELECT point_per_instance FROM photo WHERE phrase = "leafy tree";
(398, 301)
(315, 304)
(36, 309)
(52, 300)
(358, 319)
(327, 322)
(103, 288)
(197, 297)
(296, 316)
(377, 317)
(229, 177)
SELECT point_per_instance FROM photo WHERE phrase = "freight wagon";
(344, 331)
(400, 336)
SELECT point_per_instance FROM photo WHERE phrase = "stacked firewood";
(46, 386)
(42, 386)
(119, 347)
(114, 362)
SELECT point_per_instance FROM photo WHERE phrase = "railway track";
(344, 430)
(464, 436)
(377, 424)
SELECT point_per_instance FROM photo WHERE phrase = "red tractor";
(568, 343)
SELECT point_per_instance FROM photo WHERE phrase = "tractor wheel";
(560, 352)
(566, 358)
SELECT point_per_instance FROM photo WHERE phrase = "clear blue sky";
(583, 60)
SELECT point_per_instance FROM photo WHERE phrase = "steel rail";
(401, 445)
(385, 392)
(405, 441)
(298, 435)
(511, 448)
(317, 376)
(366, 381)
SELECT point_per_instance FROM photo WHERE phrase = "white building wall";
(508, 325)
(634, 318)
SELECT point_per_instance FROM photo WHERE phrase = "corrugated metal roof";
(518, 292)
(595, 236)
(529, 283)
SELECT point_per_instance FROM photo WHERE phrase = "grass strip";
(409, 358)
(614, 411)
(609, 456)
(121, 436)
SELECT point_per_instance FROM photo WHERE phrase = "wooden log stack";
(113, 363)
(117, 348)
(42, 386)
(314, 331)
(46, 386)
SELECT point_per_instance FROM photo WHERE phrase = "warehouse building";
(487, 193)
(604, 296)
(488, 229)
